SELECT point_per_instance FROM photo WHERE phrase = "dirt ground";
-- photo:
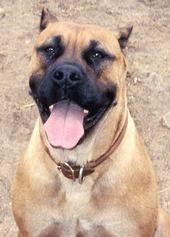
(148, 79)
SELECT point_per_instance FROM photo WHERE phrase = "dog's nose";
(67, 74)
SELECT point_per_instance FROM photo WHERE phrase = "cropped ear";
(123, 35)
(46, 18)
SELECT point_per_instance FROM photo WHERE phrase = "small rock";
(2, 57)
(131, 98)
(2, 12)
(109, 11)
(165, 58)
(166, 120)
(27, 41)
(2, 61)
(147, 74)
(136, 80)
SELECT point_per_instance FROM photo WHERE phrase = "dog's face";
(76, 77)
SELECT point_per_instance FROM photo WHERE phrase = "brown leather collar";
(73, 171)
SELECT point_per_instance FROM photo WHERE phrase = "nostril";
(59, 75)
(74, 76)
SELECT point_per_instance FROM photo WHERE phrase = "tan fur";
(120, 198)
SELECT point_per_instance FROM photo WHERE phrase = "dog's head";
(77, 75)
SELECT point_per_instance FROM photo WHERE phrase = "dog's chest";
(76, 230)
(76, 214)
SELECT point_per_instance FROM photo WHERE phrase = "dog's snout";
(67, 75)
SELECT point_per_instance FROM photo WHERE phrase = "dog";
(86, 172)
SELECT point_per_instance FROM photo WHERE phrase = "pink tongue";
(64, 127)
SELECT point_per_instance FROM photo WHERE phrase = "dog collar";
(74, 172)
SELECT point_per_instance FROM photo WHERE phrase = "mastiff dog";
(86, 172)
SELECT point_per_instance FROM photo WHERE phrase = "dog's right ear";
(123, 35)
(46, 18)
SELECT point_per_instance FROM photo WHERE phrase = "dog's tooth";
(51, 107)
(86, 111)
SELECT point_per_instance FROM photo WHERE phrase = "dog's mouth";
(66, 123)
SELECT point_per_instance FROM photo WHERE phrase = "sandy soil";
(148, 79)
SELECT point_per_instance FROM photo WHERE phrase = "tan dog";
(86, 172)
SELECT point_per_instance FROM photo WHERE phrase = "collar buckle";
(81, 176)
(71, 171)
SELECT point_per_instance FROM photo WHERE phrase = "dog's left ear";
(46, 18)
(123, 35)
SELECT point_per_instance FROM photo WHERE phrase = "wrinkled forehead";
(78, 35)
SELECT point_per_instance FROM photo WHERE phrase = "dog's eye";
(96, 56)
(50, 51)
